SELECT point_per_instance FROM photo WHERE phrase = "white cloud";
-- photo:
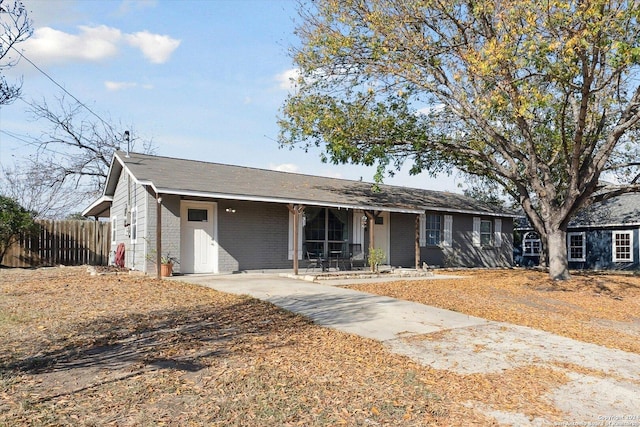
(90, 44)
(155, 47)
(94, 44)
(285, 167)
(288, 79)
(113, 86)
(425, 111)
(119, 85)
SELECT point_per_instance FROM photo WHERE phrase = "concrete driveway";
(464, 344)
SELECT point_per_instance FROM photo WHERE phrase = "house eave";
(250, 198)
(115, 169)
(244, 197)
(611, 225)
(591, 226)
(472, 212)
(100, 208)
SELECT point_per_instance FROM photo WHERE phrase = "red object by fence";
(120, 255)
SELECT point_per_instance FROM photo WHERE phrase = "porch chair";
(313, 261)
(356, 255)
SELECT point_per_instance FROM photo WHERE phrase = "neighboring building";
(603, 236)
(222, 218)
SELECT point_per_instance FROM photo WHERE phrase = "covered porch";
(345, 238)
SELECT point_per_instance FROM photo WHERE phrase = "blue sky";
(203, 79)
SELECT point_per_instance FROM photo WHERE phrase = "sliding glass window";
(325, 231)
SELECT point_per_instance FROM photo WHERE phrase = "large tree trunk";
(557, 252)
(544, 253)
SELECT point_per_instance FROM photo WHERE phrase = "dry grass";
(597, 308)
(125, 350)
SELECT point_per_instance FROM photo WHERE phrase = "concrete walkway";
(465, 344)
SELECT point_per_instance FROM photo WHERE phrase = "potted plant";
(166, 266)
(166, 262)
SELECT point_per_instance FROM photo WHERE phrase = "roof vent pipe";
(127, 139)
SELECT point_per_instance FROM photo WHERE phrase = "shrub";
(376, 257)
(14, 221)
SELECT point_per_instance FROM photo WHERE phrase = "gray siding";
(254, 237)
(150, 231)
(402, 240)
(128, 197)
(467, 255)
(170, 229)
(462, 253)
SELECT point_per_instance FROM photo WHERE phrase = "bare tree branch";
(15, 27)
(71, 163)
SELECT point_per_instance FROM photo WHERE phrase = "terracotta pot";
(166, 270)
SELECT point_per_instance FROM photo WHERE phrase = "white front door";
(381, 233)
(198, 240)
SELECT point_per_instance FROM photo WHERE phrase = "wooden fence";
(62, 242)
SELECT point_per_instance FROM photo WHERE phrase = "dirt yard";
(125, 350)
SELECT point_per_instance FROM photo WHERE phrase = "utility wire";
(33, 142)
(56, 83)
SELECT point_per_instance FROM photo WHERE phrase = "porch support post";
(371, 219)
(417, 242)
(296, 210)
(159, 236)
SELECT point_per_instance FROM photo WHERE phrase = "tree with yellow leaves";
(541, 97)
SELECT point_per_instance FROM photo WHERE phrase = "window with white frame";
(114, 227)
(434, 229)
(134, 225)
(486, 233)
(622, 246)
(576, 246)
(531, 244)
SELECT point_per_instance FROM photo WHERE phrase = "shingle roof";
(620, 210)
(189, 177)
(623, 210)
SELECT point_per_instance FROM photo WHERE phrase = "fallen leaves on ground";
(125, 350)
(592, 307)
